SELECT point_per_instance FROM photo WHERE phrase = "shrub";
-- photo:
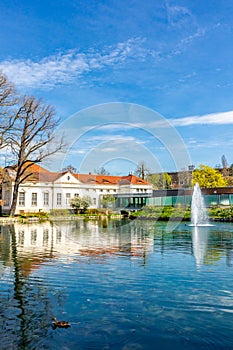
(60, 212)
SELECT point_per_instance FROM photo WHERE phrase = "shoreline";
(9, 221)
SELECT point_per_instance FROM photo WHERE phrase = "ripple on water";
(120, 290)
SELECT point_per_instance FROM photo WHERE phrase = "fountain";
(199, 215)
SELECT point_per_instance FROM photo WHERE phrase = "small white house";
(45, 190)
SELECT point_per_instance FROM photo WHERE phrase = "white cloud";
(178, 15)
(63, 67)
(208, 119)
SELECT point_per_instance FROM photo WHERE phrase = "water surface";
(122, 285)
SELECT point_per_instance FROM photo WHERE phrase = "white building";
(45, 190)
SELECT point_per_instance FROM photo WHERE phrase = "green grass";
(180, 213)
(163, 213)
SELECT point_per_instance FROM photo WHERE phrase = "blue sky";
(172, 57)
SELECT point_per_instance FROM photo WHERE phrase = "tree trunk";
(14, 199)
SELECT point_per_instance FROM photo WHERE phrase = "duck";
(60, 324)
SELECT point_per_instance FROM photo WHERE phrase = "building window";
(34, 199)
(7, 198)
(33, 236)
(67, 198)
(22, 198)
(58, 198)
(46, 198)
(76, 194)
(94, 201)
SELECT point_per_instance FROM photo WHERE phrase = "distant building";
(222, 196)
(44, 190)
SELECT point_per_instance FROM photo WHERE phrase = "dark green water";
(122, 285)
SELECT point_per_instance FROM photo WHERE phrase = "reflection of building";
(37, 242)
(44, 190)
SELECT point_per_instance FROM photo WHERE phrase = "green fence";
(184, 201)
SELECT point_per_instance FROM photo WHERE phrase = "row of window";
(34, 198)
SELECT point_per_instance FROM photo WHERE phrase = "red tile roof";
(110, 179)
(41, 174)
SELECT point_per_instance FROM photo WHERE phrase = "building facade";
(222, 196)
(45, 191)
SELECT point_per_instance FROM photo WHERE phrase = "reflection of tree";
(18, 285)
(26, 310)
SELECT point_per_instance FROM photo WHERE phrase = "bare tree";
(70, 168)
(101, 171)
(8, 101)
(31, 139)
(142, 171)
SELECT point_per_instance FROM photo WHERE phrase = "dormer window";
(68, 177)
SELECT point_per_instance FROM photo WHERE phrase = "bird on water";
(60, 324)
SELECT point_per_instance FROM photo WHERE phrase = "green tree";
(231, 170)
(208, 177)
(229, 180)
(80, 204)
(160, 181)
(165, 181)
(154, 180)
(107, 200)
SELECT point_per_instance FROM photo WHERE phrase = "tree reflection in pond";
(129, 285)
(25, 309)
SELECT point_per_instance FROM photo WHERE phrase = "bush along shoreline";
(162, 213)
(217, 213)
(62, 215)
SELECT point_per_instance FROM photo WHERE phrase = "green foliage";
(160, 181)
(165, 181)
(208, 177)
(154, 180)
(107, 200)
(164, 213)
(93, 211)
(40, 215)
(231, 170)
(219, 213)
(59, 212)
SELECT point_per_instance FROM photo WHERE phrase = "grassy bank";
(182, 214)
(163, 213)
(147, 213)
(61, 214)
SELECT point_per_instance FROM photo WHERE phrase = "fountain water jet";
(199, 215)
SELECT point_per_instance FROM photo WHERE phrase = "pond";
(121, 285)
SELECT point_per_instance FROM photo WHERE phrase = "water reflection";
(40, 242)
(121, 285)
(200, 244)
(20, 298)
(212, 244)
